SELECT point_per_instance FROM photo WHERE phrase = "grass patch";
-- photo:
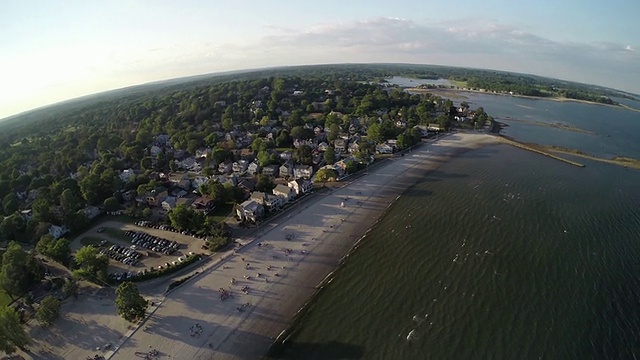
(221, 212)
(462, 84)
(116, 234)
(90, 240)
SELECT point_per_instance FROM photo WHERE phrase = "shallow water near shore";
(499, 253)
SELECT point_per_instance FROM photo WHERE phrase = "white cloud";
(464, 43)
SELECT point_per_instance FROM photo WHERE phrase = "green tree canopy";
(12, 334)
(48, 311)
(92, 265)
(19, 271)
(130, 305)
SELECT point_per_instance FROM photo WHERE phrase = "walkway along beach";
(240, 306)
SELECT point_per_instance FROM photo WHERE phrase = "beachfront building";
(249, 211)
(285, 192)
(302, 171)
(300, 186)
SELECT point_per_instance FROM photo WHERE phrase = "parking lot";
(137, 248)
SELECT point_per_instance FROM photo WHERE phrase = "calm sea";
(499, 254)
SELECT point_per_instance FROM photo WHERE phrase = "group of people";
(224, 294)
(196, 330)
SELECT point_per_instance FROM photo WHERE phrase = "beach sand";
(322, 231)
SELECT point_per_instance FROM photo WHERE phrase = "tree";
(70, 288)
(19, 270)
(92, 265)
(111, 204)
(130, 305)
(303, 155)
(180, 217)
(324, 175)
(48, 311)
(264, 183)
(69, 201)
(147, 213)
(374, 133)
(330, 155)
(12, 332)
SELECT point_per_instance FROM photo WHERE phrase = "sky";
(52, 51)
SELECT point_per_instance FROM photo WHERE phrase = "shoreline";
(447, 91)
(324, 234)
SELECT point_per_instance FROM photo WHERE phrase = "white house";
(303, 171)
(253, 168)
(225, 167)
(240, 166)
(384, 149)
(250, 210)
(273, 202)
(271, 170)
(300, 186)
(169, 203)
(58, 231)
(284, 191)
(286, 170)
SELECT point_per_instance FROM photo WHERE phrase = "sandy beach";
(237, 305)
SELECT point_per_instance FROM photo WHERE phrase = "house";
(247, 185)
(179, 193)
(126, 175)
(258, 197)
(284, 191)
(424, 131)
(240, 166)
(323, 146)
(303, 171)
(58, 231)
(250, 210)
(273, 202)
(203, 153)
(286, 155)
(384, 149)
(91, 212)
(253, 168)
(286, 170)
(247, 154)
(340, 144)
(128, 195)
(156, 196)
(353, 147)
(199, 181)
(26, 214)
(155, 150)
(184, 184)
(271, 170)
(204, 203)
(300, 186)
(225, 167)
(169, 203)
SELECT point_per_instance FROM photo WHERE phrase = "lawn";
(462, 84)
(221, 212)
(116, 234)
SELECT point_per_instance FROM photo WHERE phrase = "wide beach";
(277, 273)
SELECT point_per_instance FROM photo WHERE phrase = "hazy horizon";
(57, 52)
